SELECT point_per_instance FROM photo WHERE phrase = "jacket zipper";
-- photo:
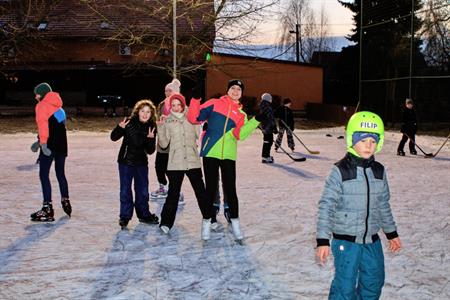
(206, 143)
(225, 128)
(126, 150)
(367, 209)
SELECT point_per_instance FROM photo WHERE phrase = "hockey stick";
(287, 153)
(426, 154)
(292, 132)
(446, 140)
(291, 157)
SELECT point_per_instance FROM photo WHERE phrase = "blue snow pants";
(359, 270)
(140, 176)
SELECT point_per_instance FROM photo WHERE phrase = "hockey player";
(52, 141)
(353, 207)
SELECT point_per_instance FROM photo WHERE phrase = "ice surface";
(89, 257)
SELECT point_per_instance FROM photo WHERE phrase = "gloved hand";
(260, 117)
(45, 150)
(35, 146)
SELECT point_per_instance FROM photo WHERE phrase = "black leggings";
(227, 168)
(169, 210)
(161, 161)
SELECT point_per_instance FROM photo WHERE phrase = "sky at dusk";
(339, 20)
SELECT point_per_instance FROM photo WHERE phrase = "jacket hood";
(53, 99)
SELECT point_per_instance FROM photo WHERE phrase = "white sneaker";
(165, 229)
(236, 229)
(206, 229)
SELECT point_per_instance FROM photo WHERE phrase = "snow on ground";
(89, 257)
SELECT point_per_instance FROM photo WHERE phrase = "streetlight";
(174, 25)
(297, 40)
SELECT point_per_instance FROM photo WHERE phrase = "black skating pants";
(267, 145)
(169, 210)
(411, 145)
(290, 138)
(161, 161)
(227, 168)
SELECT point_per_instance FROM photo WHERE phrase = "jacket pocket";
(345, 222)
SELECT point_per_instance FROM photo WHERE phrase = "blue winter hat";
(358, 136)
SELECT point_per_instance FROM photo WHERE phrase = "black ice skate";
(152, 219)
(46, 214)
(413, 152)
(66, 206)
(123, 223)
(401, 153)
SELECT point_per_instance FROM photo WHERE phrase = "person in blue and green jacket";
(227, 124)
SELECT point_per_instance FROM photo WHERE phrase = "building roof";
(106, 19)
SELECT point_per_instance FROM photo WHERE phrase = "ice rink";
(89, 257)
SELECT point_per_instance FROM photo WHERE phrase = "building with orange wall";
(300, 82)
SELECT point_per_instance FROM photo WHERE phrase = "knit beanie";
(235, 82)
(358, 136)
(174, 85)
(266, 97)
(42, 89)
(179, 97)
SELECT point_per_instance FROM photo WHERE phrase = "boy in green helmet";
(353, 207)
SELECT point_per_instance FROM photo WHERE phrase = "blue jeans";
(45, 162)
(359, 270)
(140, 176)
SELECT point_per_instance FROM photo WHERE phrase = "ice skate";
(236, 230)
(181, 199)
(160, 193)
(66, 206)
(413, 152)
(267, 160)
(400, 153)
(164, 229)
(226, 214)
(123, 223)
(206, 229)
(152, 219)
(45, 214)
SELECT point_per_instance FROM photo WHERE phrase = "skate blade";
(43, 220)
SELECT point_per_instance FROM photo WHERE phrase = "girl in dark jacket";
(409, 129)
(138, 132)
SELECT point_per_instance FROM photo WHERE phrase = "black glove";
(260, 117)
(196, 93)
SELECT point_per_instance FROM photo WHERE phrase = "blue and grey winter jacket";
(355, 203)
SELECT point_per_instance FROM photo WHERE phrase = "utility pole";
(297, 41)
(174, 25)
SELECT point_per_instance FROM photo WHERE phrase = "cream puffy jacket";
(182, 137)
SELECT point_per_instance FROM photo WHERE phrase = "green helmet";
(364, 121)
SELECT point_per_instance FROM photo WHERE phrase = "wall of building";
(302, 83)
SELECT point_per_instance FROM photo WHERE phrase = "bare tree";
(146, 26)
(435, 33)
(312, 29)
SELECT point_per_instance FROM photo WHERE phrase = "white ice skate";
(236, 229)
(165, 229)
(206, 229)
